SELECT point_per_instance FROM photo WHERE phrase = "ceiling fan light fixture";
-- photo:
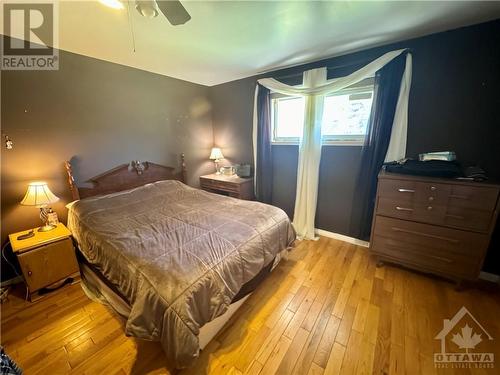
(115, 4)
(146, 8)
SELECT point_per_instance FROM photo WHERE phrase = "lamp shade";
(38, 194)
(216, 154)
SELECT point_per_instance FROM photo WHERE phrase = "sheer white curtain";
(309, 157)
(314, 88)
(397, 143)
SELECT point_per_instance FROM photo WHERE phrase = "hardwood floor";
(326, 310)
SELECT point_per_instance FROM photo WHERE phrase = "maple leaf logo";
(467, 340)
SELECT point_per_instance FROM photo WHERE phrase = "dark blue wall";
(454, 105)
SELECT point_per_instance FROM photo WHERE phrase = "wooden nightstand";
(47, 259)
(233, 186)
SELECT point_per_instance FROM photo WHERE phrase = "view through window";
(345, 116)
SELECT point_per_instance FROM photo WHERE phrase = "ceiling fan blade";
(174, 11)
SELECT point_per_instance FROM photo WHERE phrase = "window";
(288, 119)
(345, 116)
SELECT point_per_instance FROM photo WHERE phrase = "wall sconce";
(9, 145)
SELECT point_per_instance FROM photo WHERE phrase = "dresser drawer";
(444, 250)
(430, 238)
(233, 186)
(411, 210)
(468, 218)
(402, 191)
(484, 198)
(396, 190)
(457, 217)
(48, 264)
(427, 259)
(219, 185)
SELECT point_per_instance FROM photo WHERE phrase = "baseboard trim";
(489, 277)
(342, 237)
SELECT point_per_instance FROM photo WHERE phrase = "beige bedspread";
(178, 254)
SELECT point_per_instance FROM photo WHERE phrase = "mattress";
(99, 290)
(178, 255)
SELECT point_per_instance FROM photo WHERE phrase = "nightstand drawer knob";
(30, 273)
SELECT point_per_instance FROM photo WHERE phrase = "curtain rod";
(331, 67)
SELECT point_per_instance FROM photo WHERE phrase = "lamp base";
(217, 171)
(47, 228)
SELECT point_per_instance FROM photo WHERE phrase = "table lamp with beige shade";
(216, 156)
(39, 195)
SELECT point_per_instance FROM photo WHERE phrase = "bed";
(174, 260)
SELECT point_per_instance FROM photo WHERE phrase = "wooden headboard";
(125, 176)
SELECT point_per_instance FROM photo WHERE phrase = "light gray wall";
(100, 115)
(232, 119)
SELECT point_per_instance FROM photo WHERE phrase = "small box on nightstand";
(47, 259)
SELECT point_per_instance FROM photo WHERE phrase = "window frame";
(338, 140)
(274, 106)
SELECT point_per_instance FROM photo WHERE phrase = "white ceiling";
(227, 40)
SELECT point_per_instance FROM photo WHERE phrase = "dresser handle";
(459, 197)
(433, 188)
(431, 199)
(406, 190)
(425, 235)
(429, 208)
(455, 216)
(425, 255)
(439, 258)
(403, 208)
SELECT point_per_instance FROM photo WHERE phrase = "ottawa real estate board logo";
(463, 340)
(30, 35)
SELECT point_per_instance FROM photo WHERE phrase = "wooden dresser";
(435, 225)
(233, 186)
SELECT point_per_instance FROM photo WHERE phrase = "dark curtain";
(264, 173)
(386, 92)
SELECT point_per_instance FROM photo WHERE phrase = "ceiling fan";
(173, 10)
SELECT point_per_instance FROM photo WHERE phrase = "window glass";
(288, 118)
(345, 116)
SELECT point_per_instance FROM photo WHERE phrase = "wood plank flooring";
(326, 310)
